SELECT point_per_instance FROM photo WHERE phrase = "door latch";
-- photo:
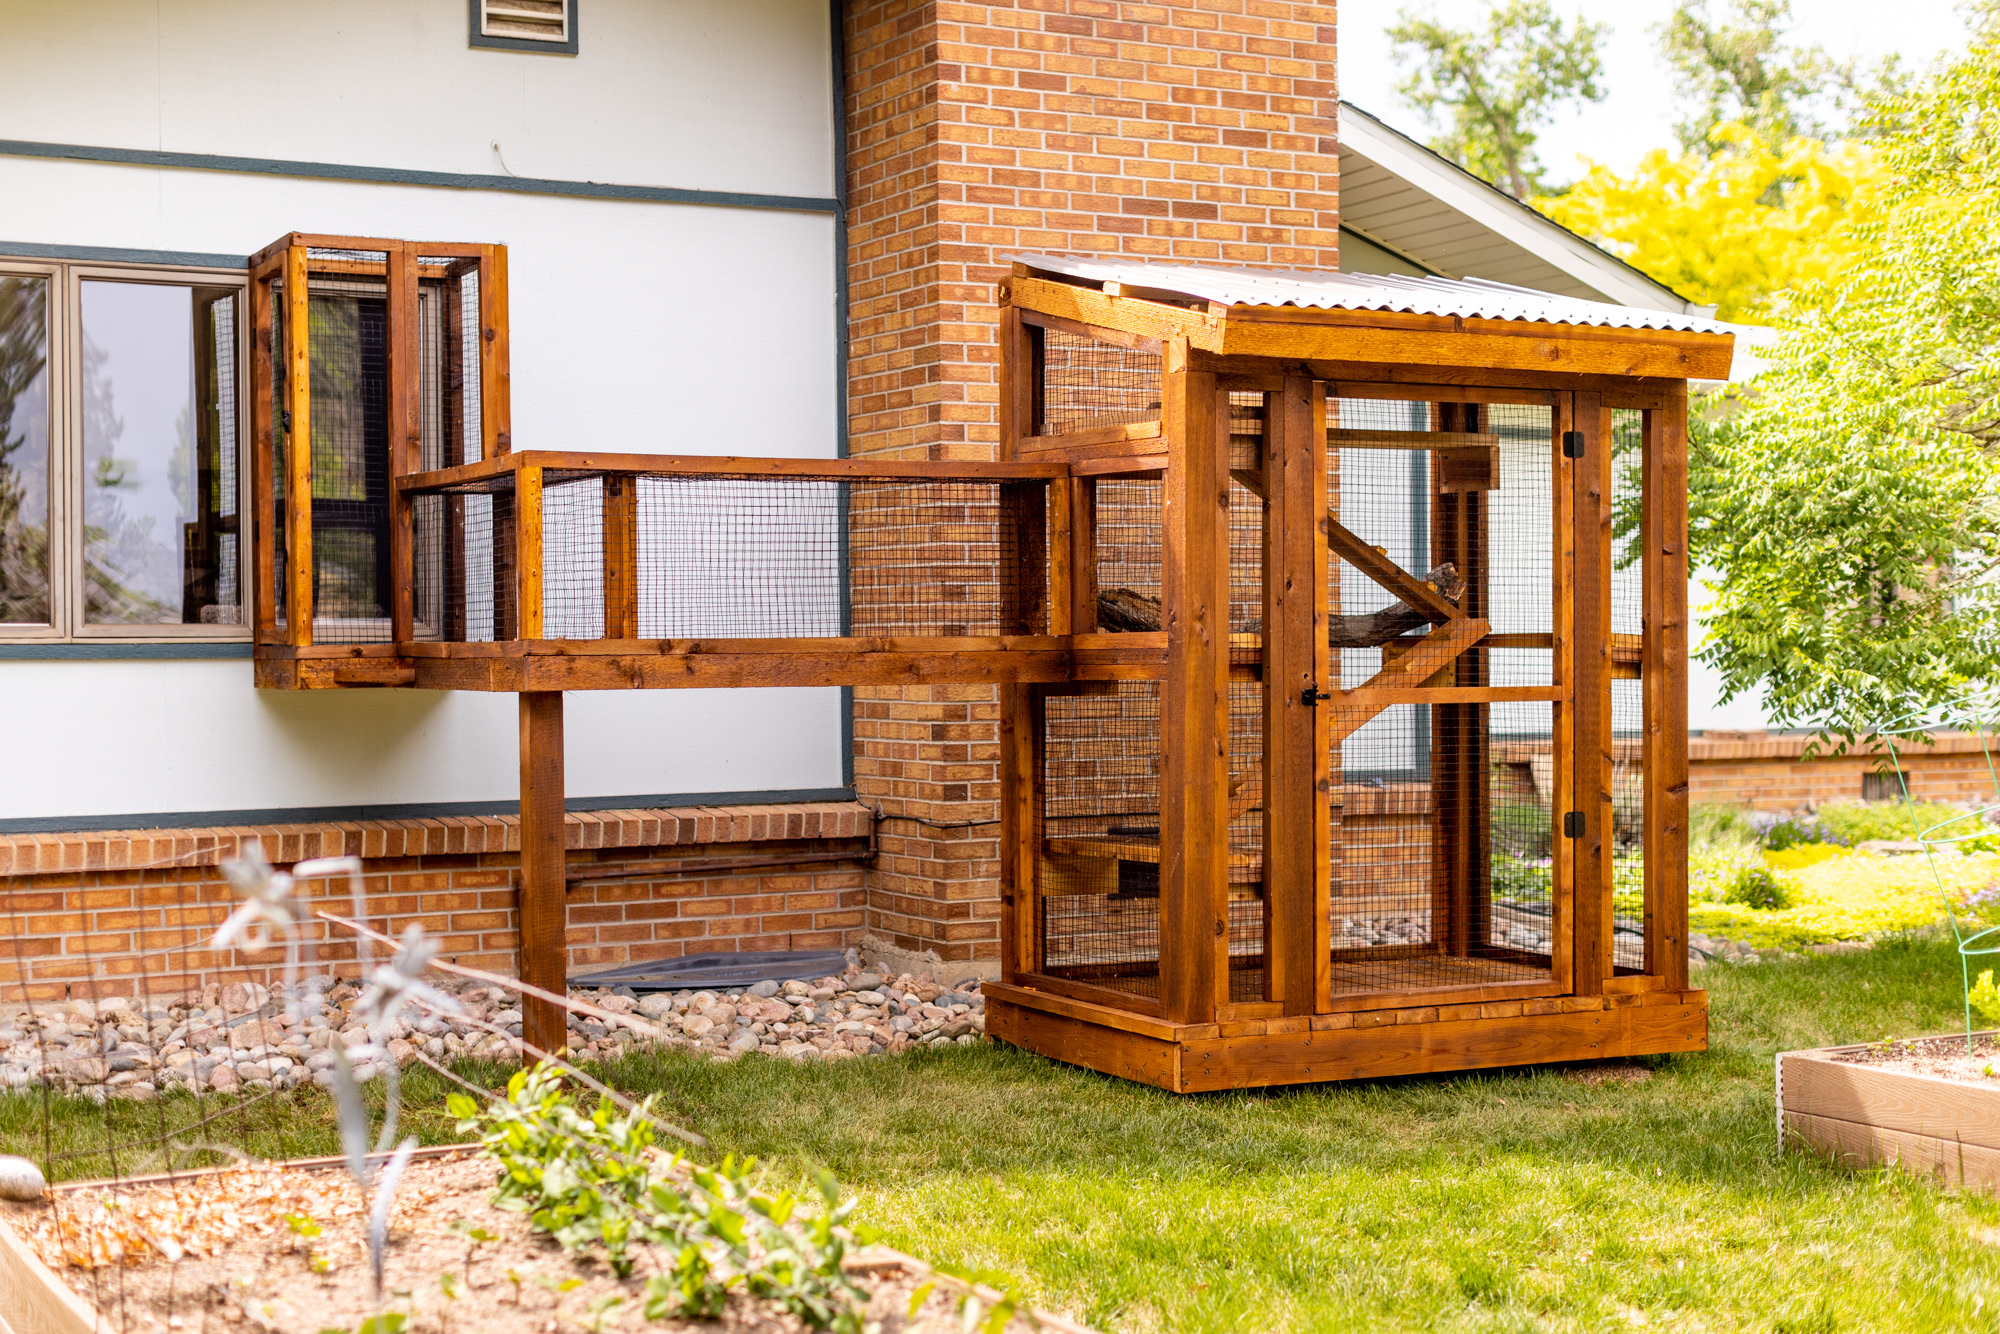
(1572, 444)
(1312, 695)
(1573, 824)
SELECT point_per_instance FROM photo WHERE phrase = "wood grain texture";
(1296, 783)
(1020, 830)
(1133, 1056)
(1194, 779)
(544, 915)
(1537, 347)
(298, 452)
(263, 454)
(1591, 477)
(496, 393)
(1562, 621)
(1664, 574)
(721, 668)
(1035, 994)
(722, 465)
(1380, 569)
(621, 556)
(1954, 1164)
(1915, 1104)
(1439, 1045)
(528, 553)
(405, 431)
(33, 1299)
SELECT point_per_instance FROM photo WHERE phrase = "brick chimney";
(1200, 131)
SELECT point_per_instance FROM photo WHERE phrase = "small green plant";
(598, 1182)
(973, 1312)
(1985, 998)
(1755, 885)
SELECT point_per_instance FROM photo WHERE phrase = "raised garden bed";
(1923, 1105)
(280, 1248)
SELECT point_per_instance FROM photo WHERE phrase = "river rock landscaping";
(244, 1037)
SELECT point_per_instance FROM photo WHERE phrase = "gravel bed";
(244, 1037)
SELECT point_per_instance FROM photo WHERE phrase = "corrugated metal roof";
(1471, 298)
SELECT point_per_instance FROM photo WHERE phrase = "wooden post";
(621, 556)
(1562, 717)
(1194, 705)
(1020, 829)
(405, 437)
(1664, 571)
(544, 959)
(263, 485)
(496, 412)
(1459, 750)
(528, 553)
(1297, 783)
(1591, 851)
(298, 452)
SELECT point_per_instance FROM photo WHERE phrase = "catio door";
(1459, 580)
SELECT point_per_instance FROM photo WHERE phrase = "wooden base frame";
(1377, 1044)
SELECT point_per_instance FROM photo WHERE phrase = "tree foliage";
(1497, 85)
(1744, 71)
(1851, 501)
(1738, 229)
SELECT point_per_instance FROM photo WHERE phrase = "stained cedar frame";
(1192, 1036)
(1573, 1014)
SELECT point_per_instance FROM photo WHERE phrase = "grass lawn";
(1506, 1200)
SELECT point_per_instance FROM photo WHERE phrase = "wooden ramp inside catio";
(1339, 622)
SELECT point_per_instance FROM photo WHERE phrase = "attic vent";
(525, 25)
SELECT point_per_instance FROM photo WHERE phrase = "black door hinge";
(1312, 695)
(1573, 824)
(1572, 444)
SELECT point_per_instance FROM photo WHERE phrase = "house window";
(120, 493)
(545, 26)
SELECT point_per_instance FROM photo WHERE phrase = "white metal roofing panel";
(1469, 298)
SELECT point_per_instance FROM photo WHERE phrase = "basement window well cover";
(697, 972)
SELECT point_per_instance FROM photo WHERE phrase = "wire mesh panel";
(1086, 383)
(703, 557)
(1098, 872)
(348, 342)
(1129, 515)
(1628, 702)
(1249, 923)
(1443, 519)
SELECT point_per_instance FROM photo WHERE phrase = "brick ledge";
(159, 849)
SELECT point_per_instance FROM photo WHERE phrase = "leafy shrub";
(1523, 831)
(596, 1181)
(1519, 879)
(1794, 833)
(1714, 827)
(1863, 821)
(1758, 886)
(1985, 998)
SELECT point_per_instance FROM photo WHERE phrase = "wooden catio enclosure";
(1340, 625)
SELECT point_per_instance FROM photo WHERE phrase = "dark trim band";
(447, 180)
(427, 810)
(114, 649)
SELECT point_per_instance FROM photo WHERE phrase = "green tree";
(1739, 230)
(1498, 85)
(1851, 502)
(1745, 71)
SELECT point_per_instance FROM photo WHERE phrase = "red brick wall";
(111, 914)
(1200, 131)
(1774, 773)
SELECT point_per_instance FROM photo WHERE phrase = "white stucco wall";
(640, 327)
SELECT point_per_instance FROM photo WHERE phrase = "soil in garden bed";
(1946, 1058)
(282, 1249)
